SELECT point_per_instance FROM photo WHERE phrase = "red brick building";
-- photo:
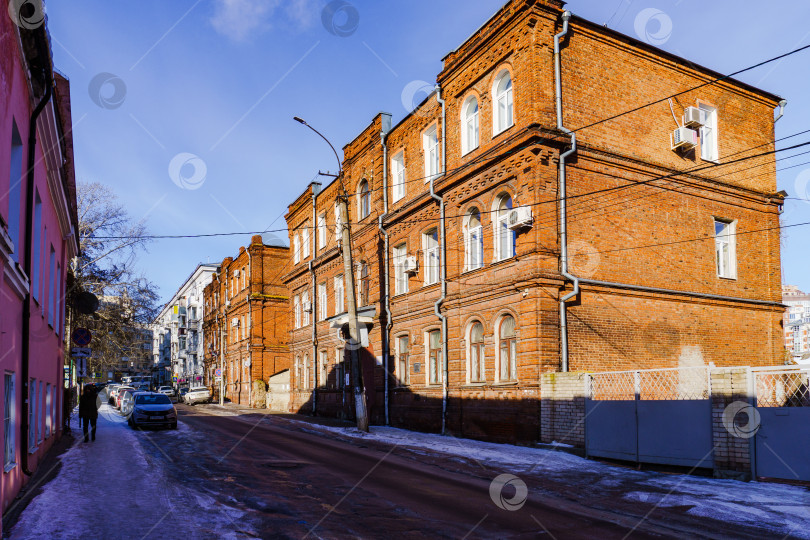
(664, 280)
(245, 312)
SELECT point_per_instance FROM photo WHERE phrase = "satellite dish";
(87, 303)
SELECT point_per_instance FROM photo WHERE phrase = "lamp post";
(351, 299)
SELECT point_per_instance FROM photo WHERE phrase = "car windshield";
(152, 399)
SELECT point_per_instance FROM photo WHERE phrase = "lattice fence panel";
(613, 386)
(783, 389)
(676, 384)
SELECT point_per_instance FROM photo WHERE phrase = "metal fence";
(782, 387)
(684, 383)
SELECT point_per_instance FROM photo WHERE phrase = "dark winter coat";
(88, 407)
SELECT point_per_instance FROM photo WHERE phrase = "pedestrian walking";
(88, 411)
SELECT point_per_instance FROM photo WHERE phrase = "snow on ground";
(783, 508)
(113, 488)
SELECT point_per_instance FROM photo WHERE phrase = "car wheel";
(174, 426)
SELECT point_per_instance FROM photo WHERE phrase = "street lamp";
(351, 304)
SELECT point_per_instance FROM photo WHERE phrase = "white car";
(198, 394)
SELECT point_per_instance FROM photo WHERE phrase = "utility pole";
(221, 364)
(354, 336)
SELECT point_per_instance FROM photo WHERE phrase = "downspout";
(781, 110)
(386, 333)
(563, 203)
(250, 328)
(442, 259)
(314, 302)
(29, 239)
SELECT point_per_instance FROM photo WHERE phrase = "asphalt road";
(296, 484)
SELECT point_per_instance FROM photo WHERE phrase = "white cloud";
(238, 19)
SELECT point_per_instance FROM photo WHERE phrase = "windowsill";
(471, 270)
(402, 387)
(499, 261)
(9, 467)
(470, 151)
(727, 278)
(32, 450)
(505, 383)
(496, 135)
(434, 385)
(708, 160)
(474, 385)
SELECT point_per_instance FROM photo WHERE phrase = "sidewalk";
(112, 488)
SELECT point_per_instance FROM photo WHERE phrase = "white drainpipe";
(386, 332)
(563, 203)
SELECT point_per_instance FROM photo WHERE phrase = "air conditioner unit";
(236, 273)
(694, 117)
(520, 217)
(235, 321)
(307, 307)
(227, 302)
(684, 138)
(410, 266)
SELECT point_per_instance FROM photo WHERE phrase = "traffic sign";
(174, 379)
(81, 337)
(80, 352)
(218, 373)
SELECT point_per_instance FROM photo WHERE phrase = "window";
(403, 367)
(32, 415)
(469, 125)
(504, 236)
(503, 115)
(430, 145)
(9, 404)
(322, 301)
(323, 368)
(321, 231)
(363, 200)
(338, 223)
(340, 375)
(296, 249)
(39, 413)
(297, 310)
(508, 349)
(60, 301)
(364, 284)
(473, 241)
(434, 356)
(37, 249)
(430, 245)
(398, 174)
(400, 277)
(305, 241)
(307, 309)
(305, 370)
(16, 180)
(725, 248)
(242, 329)
(299, 380)
(340, 296)
(51, 285)
(477, 352)
(708, 134)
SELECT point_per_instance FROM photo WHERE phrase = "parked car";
(152, 409)
(198, 394)
(111, 388)
(120, 394)
(143, 387)
(127, 399)
(181, 393)
(167, 390)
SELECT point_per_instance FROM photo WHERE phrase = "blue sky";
(155, 83)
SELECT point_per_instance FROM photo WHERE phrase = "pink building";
(38, 222)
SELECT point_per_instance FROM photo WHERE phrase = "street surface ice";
(113, 488)
(784, 509)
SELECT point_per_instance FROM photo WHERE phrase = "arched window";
(469, 125)
(364, 199)
(503, 115)
(473, 241)
(504, 236)
(477, 353)
(507, 349)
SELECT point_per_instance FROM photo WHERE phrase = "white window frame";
(505, 99)
(296, 249)
(340, 295)
(297, 311)
(481, 359)
(9, 421)
(428, 366)
(40, 411)
(726, 267)
(304, 300)
(430, 146)
(499, 354)
(403, 375)
(470, 126)
(51, 286)
(323, 368)
(32, 416)
(400, 277)
(321, 231)
(708, 134)
(501, 227)
(323, 299)
(398, 176)
(338, 223)
(364, 199)
(473, 242)
(306, 373)
(305, 242)
(37, 249)
(431, 254)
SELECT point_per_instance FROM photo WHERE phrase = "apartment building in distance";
(178, 332)
(245, 321)
(492, 246)
(797, 323)
(38, 238)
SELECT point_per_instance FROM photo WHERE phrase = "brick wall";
(562, 416)
(732, 453)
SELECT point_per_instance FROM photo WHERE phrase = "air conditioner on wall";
(520, 217)
(683, 138)
(307, 307)
(235, 321)
(694, 117)
(236, 273)
(410, 266)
